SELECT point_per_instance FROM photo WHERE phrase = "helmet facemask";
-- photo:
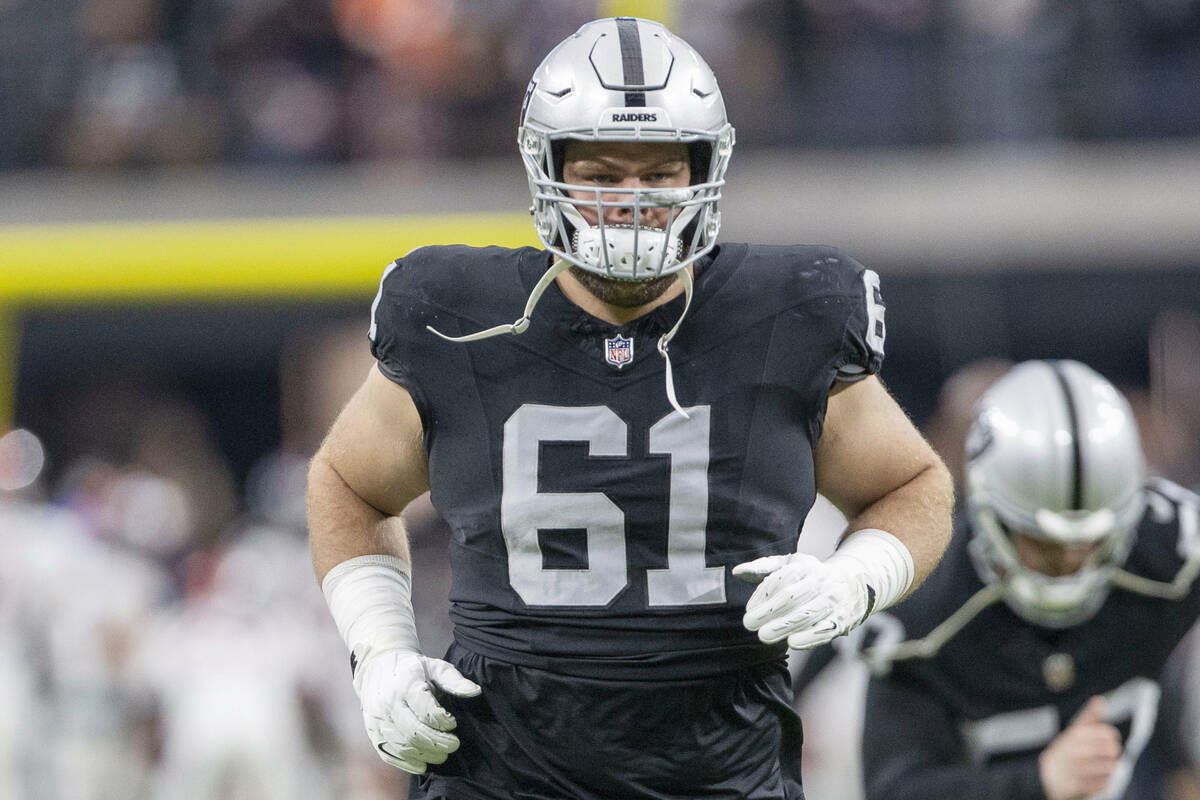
(1051, 601)
(633, 251)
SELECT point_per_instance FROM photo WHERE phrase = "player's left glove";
(408, 726)
(810, 602)
(370, 598)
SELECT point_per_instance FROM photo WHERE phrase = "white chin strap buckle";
(610, 251)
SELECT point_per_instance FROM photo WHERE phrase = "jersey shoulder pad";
(810, 271)
(434, 286)
(1168, 535)
(450, 274)
(826, 281)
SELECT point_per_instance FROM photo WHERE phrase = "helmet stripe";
(631, 59)
(1076, 444)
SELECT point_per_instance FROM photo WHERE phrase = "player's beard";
(623, 294)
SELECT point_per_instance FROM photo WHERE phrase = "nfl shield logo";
(618, 351)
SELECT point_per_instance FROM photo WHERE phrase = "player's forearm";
(918, 513)
(341, 525)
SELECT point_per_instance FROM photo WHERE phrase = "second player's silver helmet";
(625, 79)
(1053, 453)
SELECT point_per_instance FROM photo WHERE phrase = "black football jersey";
(593, 526)
(972, 719)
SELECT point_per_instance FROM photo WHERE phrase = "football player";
(624, 470)
(1027, 666)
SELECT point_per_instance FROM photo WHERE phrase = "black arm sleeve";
(912, 751)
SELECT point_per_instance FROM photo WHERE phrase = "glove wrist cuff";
(880, 561)
(370, 599)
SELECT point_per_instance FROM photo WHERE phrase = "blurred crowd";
(124, 83)
(162, 634)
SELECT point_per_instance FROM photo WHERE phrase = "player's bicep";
(868, 447)
(376, 445)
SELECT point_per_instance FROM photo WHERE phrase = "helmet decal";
(631, 60)
(1073, 422)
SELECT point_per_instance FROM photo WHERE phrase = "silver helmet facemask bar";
(634, 251)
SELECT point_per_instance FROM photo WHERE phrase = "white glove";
(370, 598)
(810, 602)
(404, 720)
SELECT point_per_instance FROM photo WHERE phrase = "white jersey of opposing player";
(71, 605)
(19, 522)
(269, 568)
(230, 670)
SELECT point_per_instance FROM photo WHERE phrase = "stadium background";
(197, 198)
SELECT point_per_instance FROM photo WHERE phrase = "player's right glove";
(370, 599)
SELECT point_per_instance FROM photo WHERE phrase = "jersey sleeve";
(912, 750)
(863, 337)
(404, 350)
(1167, 545)
(396, 322)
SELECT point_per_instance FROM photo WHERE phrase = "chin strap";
(522, 324)
(664, 341)
(1174, 589)
(879, 658)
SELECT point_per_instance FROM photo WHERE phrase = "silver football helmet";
(625, 79)
(1053, 453)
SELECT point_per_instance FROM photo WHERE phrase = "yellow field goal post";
(213, 261)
